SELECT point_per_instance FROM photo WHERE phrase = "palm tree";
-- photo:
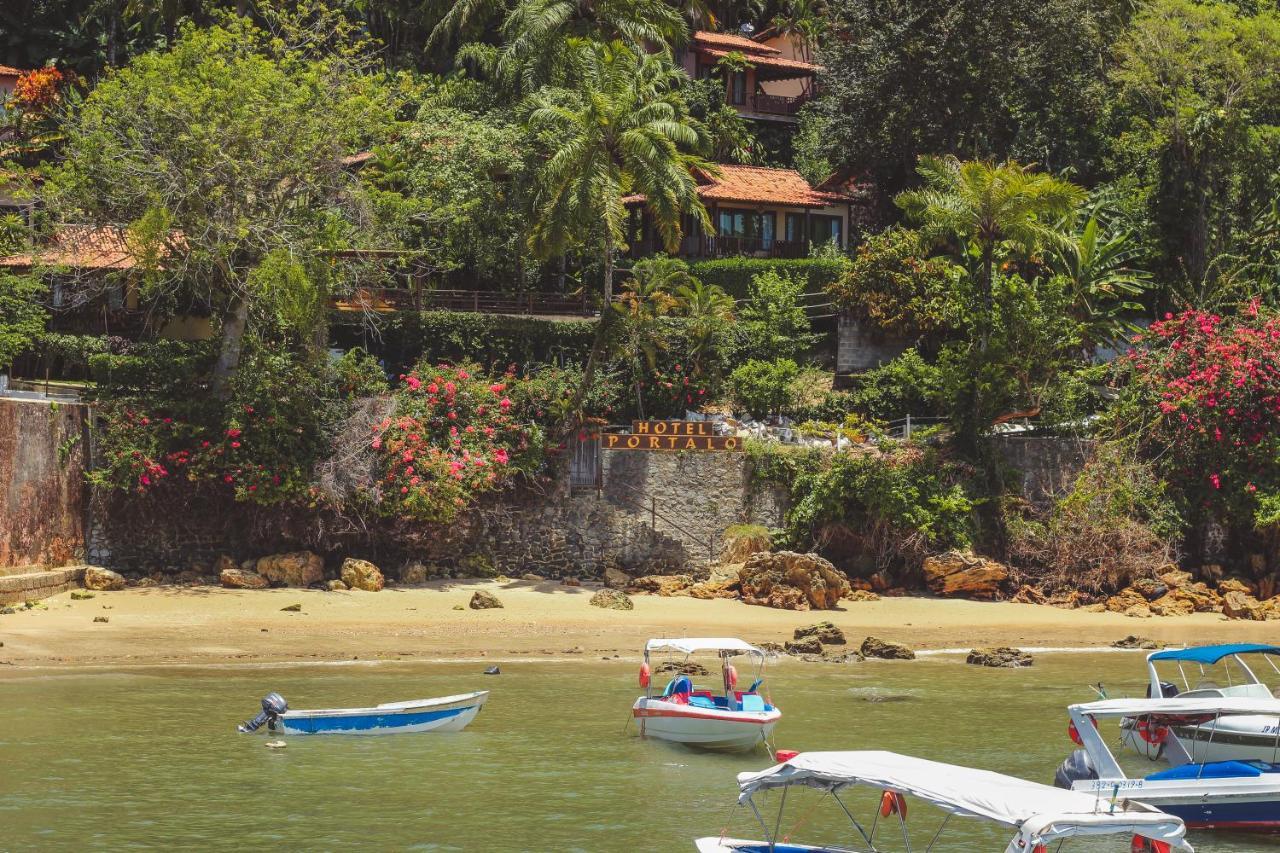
(709, 310)
(1098, 266)
(620, 131)
(987, 207)
(648, 298)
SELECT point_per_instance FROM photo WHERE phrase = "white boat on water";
(1232, 794)
(1038, 814)
(444, 714)
(726, 719)
(1221, 671)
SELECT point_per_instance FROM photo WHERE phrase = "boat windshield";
(1216, 671)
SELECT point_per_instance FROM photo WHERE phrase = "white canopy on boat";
(1040, 813)
(689, 645)
(1178, 706)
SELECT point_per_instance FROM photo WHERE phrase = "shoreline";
(540, 621)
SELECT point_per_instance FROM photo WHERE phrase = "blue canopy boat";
(445, 714)
(1224, 671)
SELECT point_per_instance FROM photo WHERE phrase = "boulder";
(225, 561)
(804, 646)
(874, 647)
(861, 595)
(1271, 608)
(101, 619)
(1175, 577)
(335, 586)
(611, 599)
(823, 632)
(743, 540)
(1133, 641)
(361, 574)
(963, 575)
(1268, 587)
(291, 608)
(665, 585)
(1227, 585)
(676, 667)
(1242, 605)
(1029, 595)
(714, 588)
(297, 568)
(1149, 588)
(77, 595)
(1171, 604)
(792, 581)
(616, 578)
(482, 600)
(240, 579)
(415, 573)
(100, 579)
(1130, 602)
(1069, 600)
(570, 582)
(999, 656)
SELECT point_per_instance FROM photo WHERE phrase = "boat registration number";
(1270, 730)
(1121, 784)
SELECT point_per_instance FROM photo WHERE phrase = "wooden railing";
(778, 105)
(383, 299)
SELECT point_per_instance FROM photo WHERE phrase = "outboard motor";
(1168, 690)
(273, 705)
(1076, 768)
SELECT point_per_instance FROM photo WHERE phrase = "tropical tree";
(1103, 281)
(222, 159)
(647, 299)
(709, 311)
(620, 131)
(988, 207)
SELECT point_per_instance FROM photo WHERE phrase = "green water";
(150, 758)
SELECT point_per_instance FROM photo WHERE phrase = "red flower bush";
(37, 91)
(1214, 384)
(453, 436)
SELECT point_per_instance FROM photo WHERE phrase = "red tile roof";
(727, 41)
(761, 185)
(81, 247)
(778, 62)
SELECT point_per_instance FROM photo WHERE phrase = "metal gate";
(584, 461)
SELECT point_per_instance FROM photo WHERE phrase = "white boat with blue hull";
(444, 714)
(1226, 671)
(1232, 794)
(1037, 814)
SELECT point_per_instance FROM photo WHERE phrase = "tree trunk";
(602, 330)
(232, 342)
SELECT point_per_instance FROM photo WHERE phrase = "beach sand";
(209, 625)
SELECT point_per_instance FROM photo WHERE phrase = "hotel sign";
(670, 435)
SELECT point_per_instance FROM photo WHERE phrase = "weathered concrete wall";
(1048, 465)
(33, 586)
(42, 485)
(860, 347)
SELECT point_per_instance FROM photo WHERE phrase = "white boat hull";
(742, 845)
(1232, 803)
(1237, 738)
(446, 714)
(705, 728)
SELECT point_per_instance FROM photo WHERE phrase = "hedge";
(490, 339)
(735, 274)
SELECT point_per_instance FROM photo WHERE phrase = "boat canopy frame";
(1204, 656)
(724, 647)
(1039, 813)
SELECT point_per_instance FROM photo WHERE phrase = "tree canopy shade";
(224, 157)
(22, 315)
(1021, 79)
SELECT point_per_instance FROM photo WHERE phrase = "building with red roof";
(758, 211)
(773, 83)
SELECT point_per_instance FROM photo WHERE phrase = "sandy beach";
(209, 625)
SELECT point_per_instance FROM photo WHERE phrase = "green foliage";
(773, 322)
(904, 78)
(765, 387)
(896, 284)
(734, 275)
(22, 314)
(492, 340)
(906, 385)
(357, 374)
(905, 502)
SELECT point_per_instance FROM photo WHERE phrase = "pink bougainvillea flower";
(504, 404)
(433, 388)
(413, 382)
(376, 444)
(235, 444)
(233, 433)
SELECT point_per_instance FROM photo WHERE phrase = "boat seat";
(697, 701)
(753, 702)
(1213, 770)
(679, 684)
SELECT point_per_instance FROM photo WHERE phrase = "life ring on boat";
(891, 802)
(1148, 845)
(644, 674)
(730, 676)
(1074, 733)
(1155, 735)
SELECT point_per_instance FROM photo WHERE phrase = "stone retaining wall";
(1048, 465)
(32, 586)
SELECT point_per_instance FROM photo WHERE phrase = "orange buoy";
(731, 676)
(891, 802)
(1074, 734)
(782, 756)
(1152, 734)
(644, 674)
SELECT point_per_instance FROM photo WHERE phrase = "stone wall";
(1048, 465)
(42, 485)
(861, 347)
(656, 512)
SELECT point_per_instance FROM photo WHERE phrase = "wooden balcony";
(776, 105)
